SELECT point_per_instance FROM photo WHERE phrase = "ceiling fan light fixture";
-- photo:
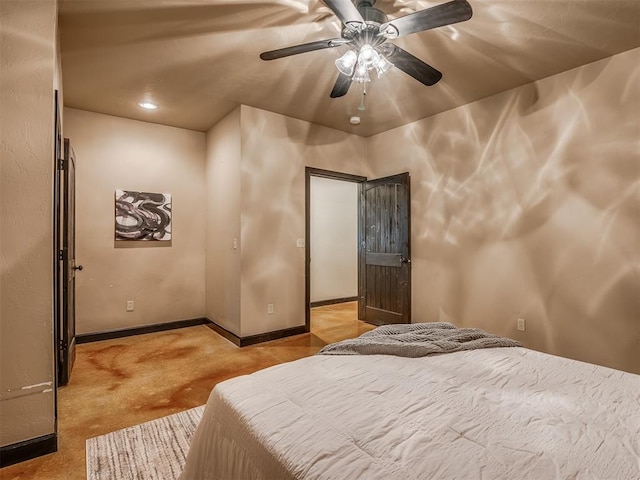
(382, 65)
(366, 29)
(347, 62)
(361, 75)
(368, 56)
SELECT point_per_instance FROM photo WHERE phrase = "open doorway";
(334, 241)
(332, 233)
(383, 249)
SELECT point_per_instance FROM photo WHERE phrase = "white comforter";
(500, 413)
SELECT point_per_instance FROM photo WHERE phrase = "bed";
(494, 412)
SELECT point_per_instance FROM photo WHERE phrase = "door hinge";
(61, 164)
(62, 348)
(60, 255)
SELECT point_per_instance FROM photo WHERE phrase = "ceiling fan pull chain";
(361, 107)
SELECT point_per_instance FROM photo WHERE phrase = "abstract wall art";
(143, 216)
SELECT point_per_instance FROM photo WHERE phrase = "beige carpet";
(154, 450)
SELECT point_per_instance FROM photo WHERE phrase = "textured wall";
(526, 204)
(334, 239)
(223, 223)
(275, 151)
(164, 279)
(27, 80)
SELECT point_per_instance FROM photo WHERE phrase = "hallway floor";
(122, 382)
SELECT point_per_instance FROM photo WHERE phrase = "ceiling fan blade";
(412, 66)
(346, 11)
(446, 14)
(303, 48)
(342, 86)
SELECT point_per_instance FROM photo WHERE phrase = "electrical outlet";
(300, 243)
(521, 324)
(129, 305)
(270, 309)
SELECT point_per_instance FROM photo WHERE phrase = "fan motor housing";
(372, 15)
(373, 18)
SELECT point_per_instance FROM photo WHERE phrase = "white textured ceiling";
(198, 59)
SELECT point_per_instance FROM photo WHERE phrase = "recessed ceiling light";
(147, 105)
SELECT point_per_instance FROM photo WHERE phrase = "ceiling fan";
(366, 29)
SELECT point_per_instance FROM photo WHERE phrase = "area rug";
(154, 450)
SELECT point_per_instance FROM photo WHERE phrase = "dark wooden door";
(385, 263)
(68, 268)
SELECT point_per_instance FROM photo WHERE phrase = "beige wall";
(526, 204)
(275, 151)
(255, 181)
(223, 158)
(27, 81)
(164, 279)
(334, 239)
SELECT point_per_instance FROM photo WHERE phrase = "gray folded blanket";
(417, 340)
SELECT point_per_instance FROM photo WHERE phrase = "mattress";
(492, 413)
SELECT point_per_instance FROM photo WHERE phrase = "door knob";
(79, 267)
